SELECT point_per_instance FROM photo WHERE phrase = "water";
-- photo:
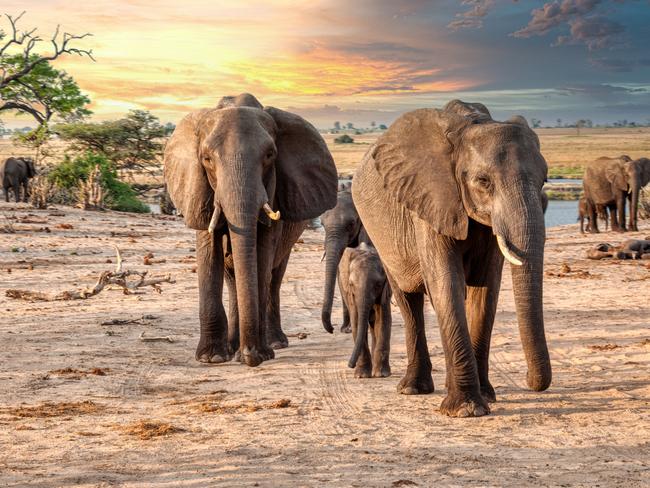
(565, 181)
(561, 212)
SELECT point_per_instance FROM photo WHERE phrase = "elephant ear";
(415, 159)
(474, 110)
(306, 177)
(185, 176)
(31, 168)
(644, 163)
(616, 176)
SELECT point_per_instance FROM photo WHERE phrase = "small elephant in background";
(585, 213)
(367, 294)
(630, 249)
(14, 173)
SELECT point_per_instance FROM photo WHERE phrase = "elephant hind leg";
(381, 341)
(417, 380)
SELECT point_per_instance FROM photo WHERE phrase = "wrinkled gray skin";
(16, 173)
(363, 282)
(221, 166)
(606, 182)
(584, 213)
(638, 176)
(433, 194)
(630, 249)
(343, 229)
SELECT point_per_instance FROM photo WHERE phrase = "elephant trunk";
(525, 235)
(361, 340)
(333, 251)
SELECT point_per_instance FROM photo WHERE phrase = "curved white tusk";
(321, 259)
(510, 257)
(269, 211)
(215, 218)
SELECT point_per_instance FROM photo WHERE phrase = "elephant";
(606, 182)
(364, 285)
(630, 249)
(226, 169)
(342, 229)
(445, 195)
(638, 176)
(584, 212)
(14, 173)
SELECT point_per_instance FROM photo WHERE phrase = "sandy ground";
(139, 414)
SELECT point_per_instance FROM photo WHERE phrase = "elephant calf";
(366, 292)
(630, 249)
(15, 173)
(585, 213)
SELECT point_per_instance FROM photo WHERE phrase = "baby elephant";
(366, 292)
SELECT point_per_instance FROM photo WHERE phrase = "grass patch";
(149, 429)
(566, 172)
(49, 409)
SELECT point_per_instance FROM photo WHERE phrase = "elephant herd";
(609, 184)
(436, 205)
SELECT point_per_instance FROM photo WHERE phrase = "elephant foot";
(267, 353)
(209, 352)
(488, 393)
(416, 383)
(362, 371)
(346, 328)
(381, 372)
(464, 405)
(249, 356)
(277, 339)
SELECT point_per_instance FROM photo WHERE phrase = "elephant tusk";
(510, 257)
(215, 217)
(324, 253)
(271, 214)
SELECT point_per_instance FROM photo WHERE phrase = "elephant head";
(342, 229)
(638, 175)
(240, 163)
(461, 164)
(29, 165)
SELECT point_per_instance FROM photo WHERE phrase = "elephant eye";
(483, 181)
(270, 154)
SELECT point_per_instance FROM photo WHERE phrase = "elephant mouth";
(273, 215)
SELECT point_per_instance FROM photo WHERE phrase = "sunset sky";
(358, 60)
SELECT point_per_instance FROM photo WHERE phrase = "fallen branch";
(118, 278)
(155, 339)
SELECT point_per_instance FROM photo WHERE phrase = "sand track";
(158, 418)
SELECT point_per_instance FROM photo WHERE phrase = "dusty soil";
(86, 402)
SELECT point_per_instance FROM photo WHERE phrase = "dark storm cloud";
(553, 14)
(594, 32)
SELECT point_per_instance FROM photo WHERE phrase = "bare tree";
(62, 43)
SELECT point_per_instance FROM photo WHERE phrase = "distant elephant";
(584, 213)
(226, 169)
(638, 176)
(342, 229)
(606, 182)
(630, 249)
(445, 195)
(14, 173)
(366, 291)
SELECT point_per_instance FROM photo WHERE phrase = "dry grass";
(149, 429)
(50, 409)
(74, 373)
(213, 404)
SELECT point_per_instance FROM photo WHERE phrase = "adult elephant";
(444, 195)
(605, 183)
(16, 173)
(226, 169)
(343, 229)
(638, 176)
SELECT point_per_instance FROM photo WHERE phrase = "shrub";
(73, 174)
(344, 139)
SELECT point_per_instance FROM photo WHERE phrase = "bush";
(118, 195)
(344, 139)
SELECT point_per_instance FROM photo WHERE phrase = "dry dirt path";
(86, 404)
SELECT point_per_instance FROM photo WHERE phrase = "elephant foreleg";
(15, 185)
(381, 341)
(213, 346)
(26, 190)
(445, 281)
(345, 327)
(233, 310)
(267, 238)
(482, 294)
(363, 366)
(417, 379)
(277, 339)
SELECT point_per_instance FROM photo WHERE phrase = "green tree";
(43, 93)
(134, 142)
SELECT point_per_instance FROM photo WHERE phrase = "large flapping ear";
(185, 176)
(644, 166)
(615, 174)
(306, 177)
(31, 167)
(415, 159)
